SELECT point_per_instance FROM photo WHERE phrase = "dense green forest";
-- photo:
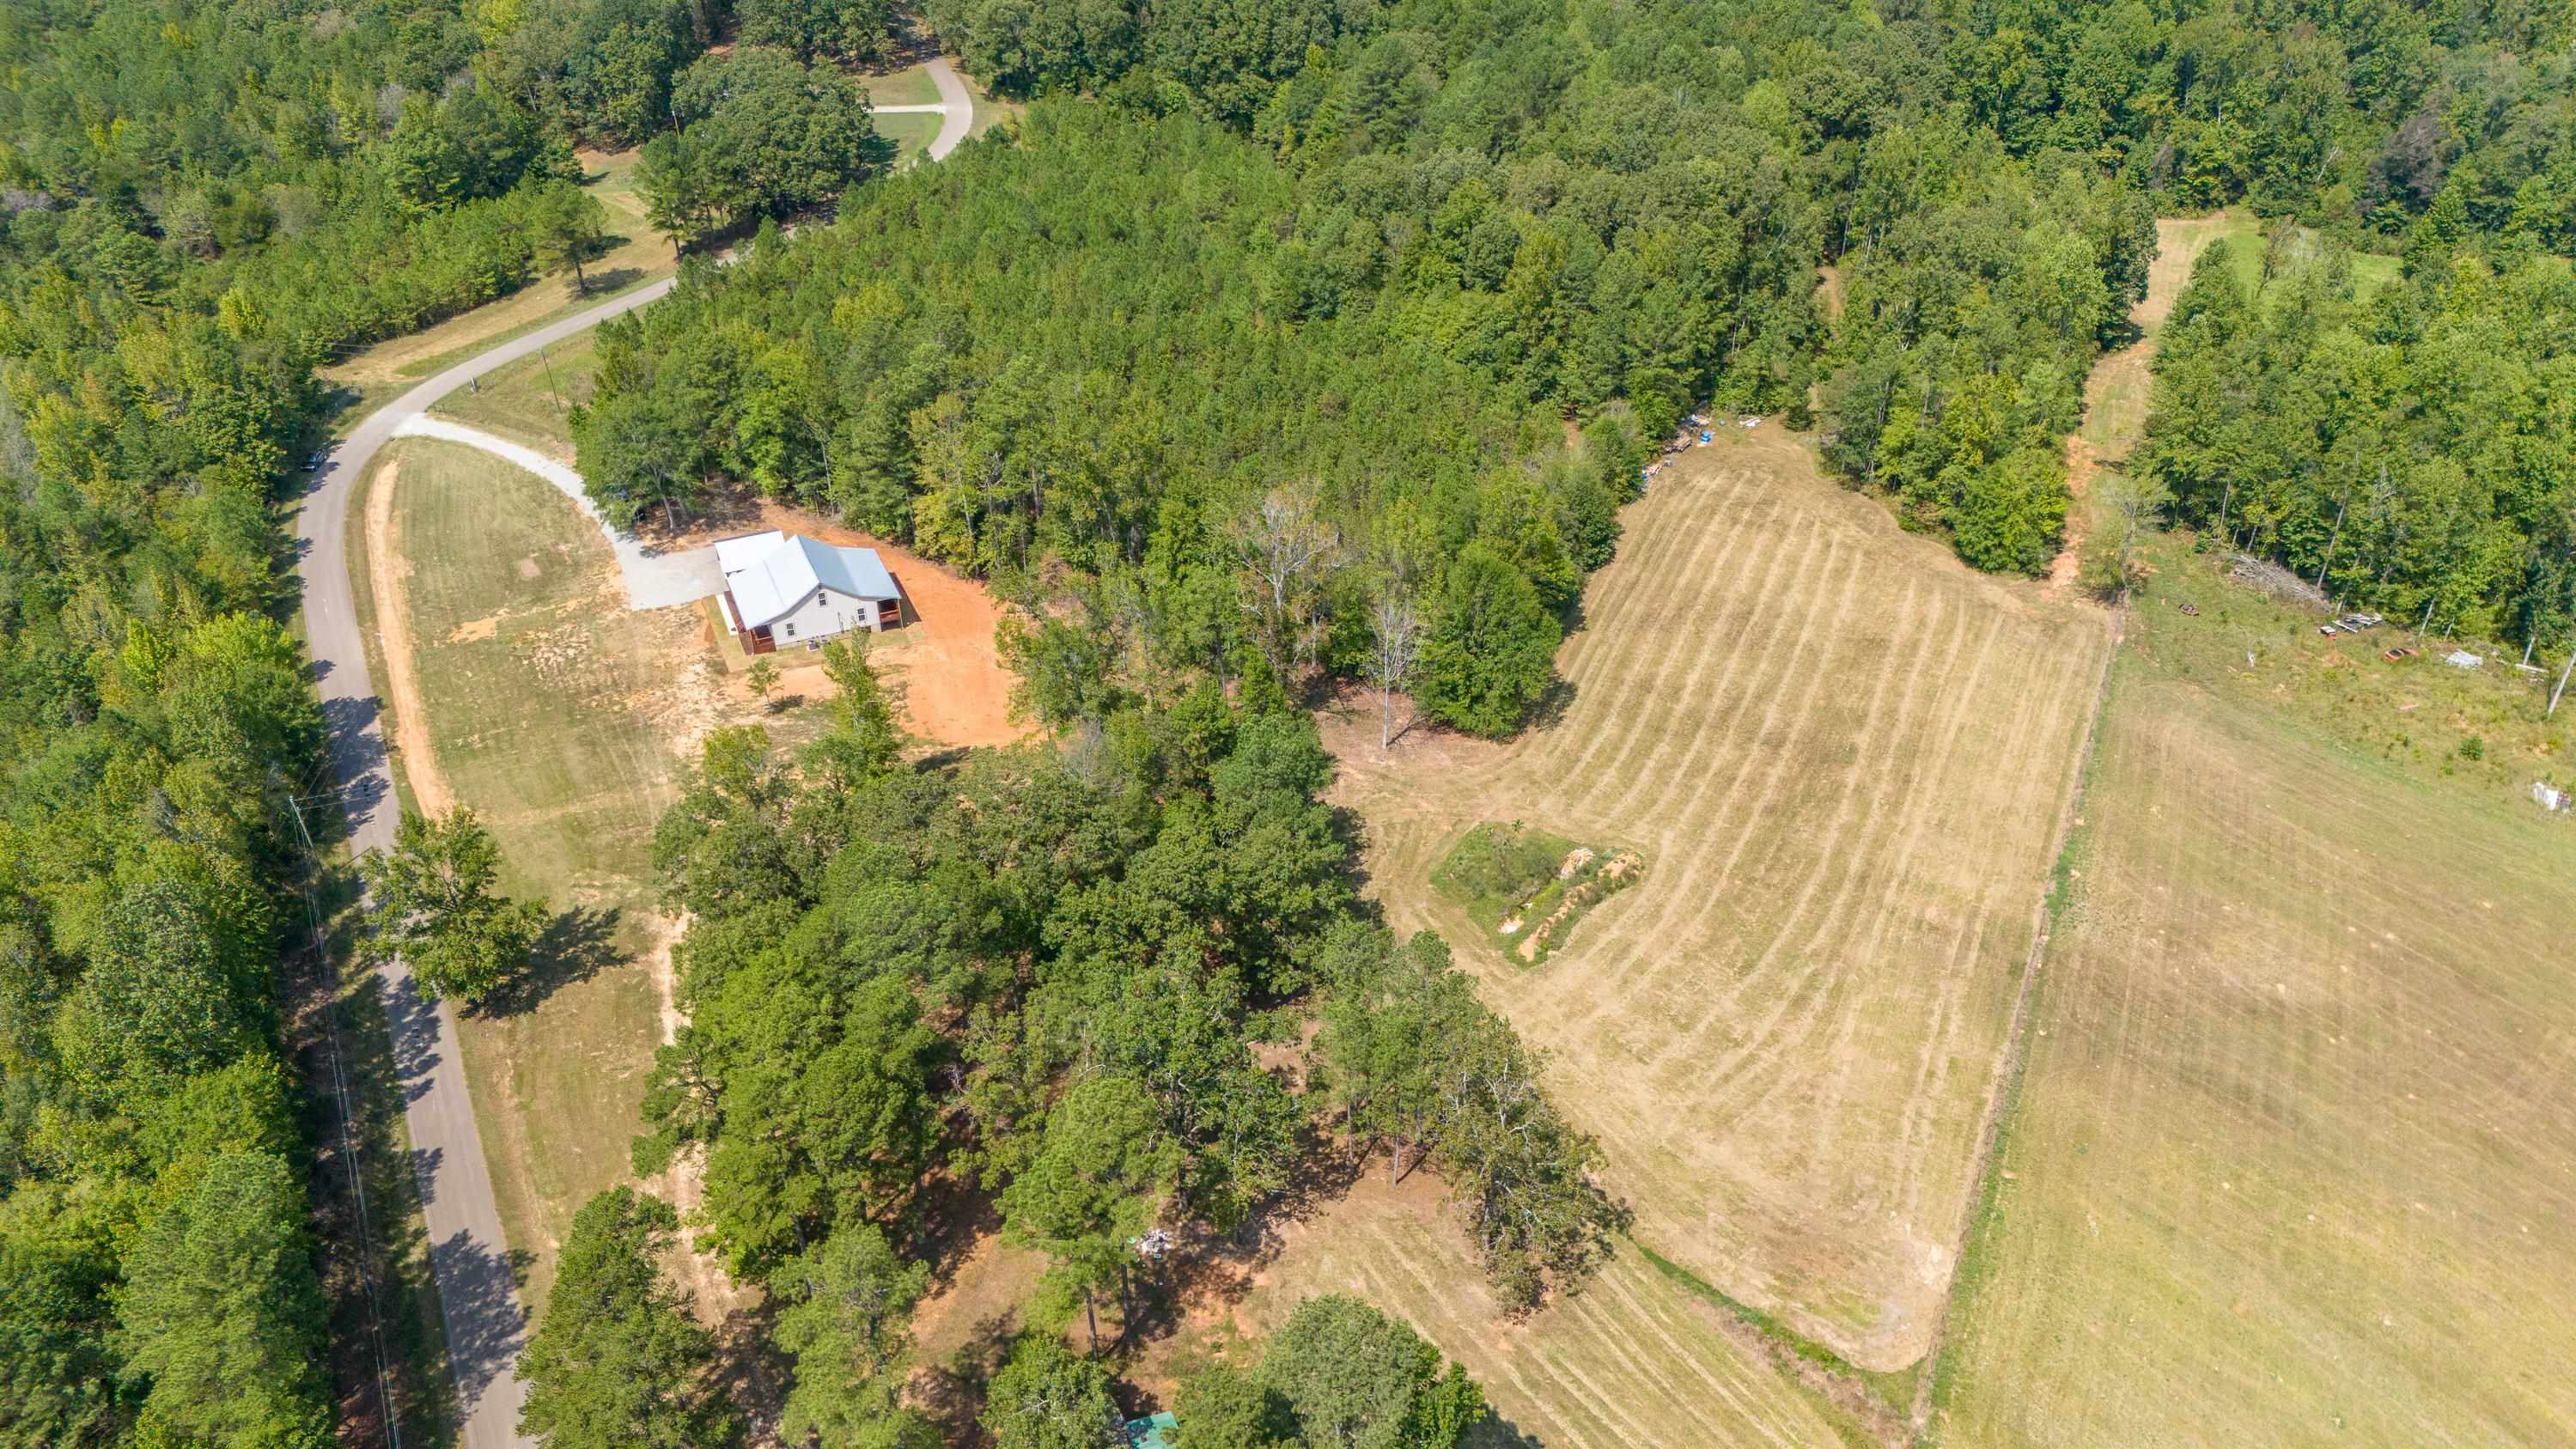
(199, 202)
(1361, 301)
(317, 176)
(1048, 970)
(1284, 339)
(2415, 453)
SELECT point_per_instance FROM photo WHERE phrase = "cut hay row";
(1633, 1359)
(1847, 756)
(2295, 1151)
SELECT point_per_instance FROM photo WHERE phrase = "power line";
(330, 979)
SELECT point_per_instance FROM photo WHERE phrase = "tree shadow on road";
(410, 1021)
(485, 1325)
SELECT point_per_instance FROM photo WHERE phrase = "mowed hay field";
(544, 704)
(2294, 1160)
(1846, 759)
(1632, 1359)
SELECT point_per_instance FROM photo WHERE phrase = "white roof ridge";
(770, 579)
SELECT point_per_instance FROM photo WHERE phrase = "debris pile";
(2271, 578)
(1621, 870)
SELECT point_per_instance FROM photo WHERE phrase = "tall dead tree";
(2333, 538)
(1288, 547)
(1396, 615)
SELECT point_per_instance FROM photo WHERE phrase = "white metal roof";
(771, 573)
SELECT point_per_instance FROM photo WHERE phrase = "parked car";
(313, 463)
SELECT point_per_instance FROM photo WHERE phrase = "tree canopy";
(1277, 333)
(759, 134)
(2413, 452)
(617, 1360)
(435, 908)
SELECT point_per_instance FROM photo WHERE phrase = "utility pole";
(2562, 683)
(550, 379)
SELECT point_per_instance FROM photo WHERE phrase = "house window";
(791, 631)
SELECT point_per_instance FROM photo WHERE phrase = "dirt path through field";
(2081, 463)
(2115, 392)
(389, 576)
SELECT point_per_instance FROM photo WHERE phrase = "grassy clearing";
(553, 711)
(635, 254)
(1635, 1358)
(910, 86)
(1527, 888)
(990, 110)
(531, 400)
(2417, 715)
(1846, 756)
(2290, 1160)
(911, 134)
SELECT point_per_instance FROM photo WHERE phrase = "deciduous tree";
(847, 1324)
(1047, 1398)
(618, 1362)
(220, 1312)
(1356, 1379)
(570, 224)
(1395, 642)
(1490, 652)
(434, 906)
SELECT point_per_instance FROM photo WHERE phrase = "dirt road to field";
(2115, 393)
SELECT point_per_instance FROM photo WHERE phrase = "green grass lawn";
(2245, 234)
(910, 86)
(531, 399)
(911, 134)
(538, 687)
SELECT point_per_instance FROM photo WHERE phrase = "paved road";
(956, 108)
(656, 578)
(484, 1323)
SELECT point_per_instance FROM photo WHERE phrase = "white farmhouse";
(784, 590)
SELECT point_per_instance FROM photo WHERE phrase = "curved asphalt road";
(957, 109)
(485, 1325)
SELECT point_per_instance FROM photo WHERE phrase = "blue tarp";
(1153, 1433)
